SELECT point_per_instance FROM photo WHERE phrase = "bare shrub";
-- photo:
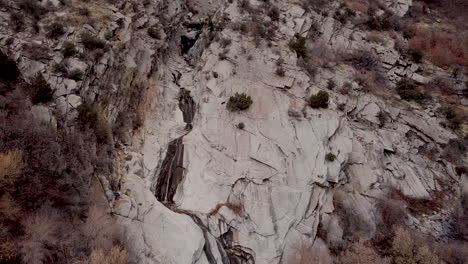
(406, 250)
(419, 206)
(460, 219)
(352, 223)
(442, 48)
(11, 164)
(9, 209)
(116, 255)
(36, 51)
(392, 212)
(359, 253)
(305, 253)
(39, 232)
(55, 30)
(100, 229)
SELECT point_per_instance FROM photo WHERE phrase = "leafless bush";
(11, 164)
(352, 223)
(36, 51)
(100, 229)
(406, 250)
(305, 253)
(359, 253)
(39, 232)
(392, 212)
(116, 255)
(442, 48)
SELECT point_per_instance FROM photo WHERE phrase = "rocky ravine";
(197, 189)
(248, 196)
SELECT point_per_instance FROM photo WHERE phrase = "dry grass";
(441, 48)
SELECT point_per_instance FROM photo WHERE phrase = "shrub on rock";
(92, 42)
(330, 157)
(239, 102)
(298, 46)
(8, 69)
(87, 114)
(40, 90)
(319, 100)
(408, 91)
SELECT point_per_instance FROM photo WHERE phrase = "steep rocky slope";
(196, 188)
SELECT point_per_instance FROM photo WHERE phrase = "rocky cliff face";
(197, 188)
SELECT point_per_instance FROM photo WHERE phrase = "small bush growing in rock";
(274, 13)
(32, 7)
(40, 90)
(68, 49)
(298, 46)
(382, 118)
(384, 22)
(280, 71)
(331, 84)
(76, 75)
(17, 20)
(224, 42)
(330, 157)
(241, 125)
(319, 100)
(92, 42)
(453, 117)
(55, 30)
(416, 55)
(409, 91)
(87, 115)
(8, 69)
(154, 33)
(239, 102)
(344, 14)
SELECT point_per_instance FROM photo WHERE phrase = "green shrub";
(87, 115)
(8, 69)
(416, 55)
(274, 13)
(319, 100)
(32, 7)
(408, 91)
(298, 46)
(330, 157)
(331, 84)
(239, 102)
(453, 117)
(68, 49)
(280, 71)
(154, 33)
(55, 30)
(40, 90)
(76, 75)
(92, 42)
